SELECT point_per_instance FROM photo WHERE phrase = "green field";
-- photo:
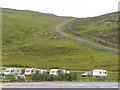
(28, 39)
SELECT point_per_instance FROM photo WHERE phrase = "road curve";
(93, 45)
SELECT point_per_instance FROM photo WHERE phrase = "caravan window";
(7, 71)
(27, 71)
(100, 72)
(52, 71)
(60, 71)
(105, 72)
(17, 70)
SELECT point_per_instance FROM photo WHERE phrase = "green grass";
(65, 29)
(105, 26)
(27, 40)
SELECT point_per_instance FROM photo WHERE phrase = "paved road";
(93, 45)
(93, 37)
(61, 85)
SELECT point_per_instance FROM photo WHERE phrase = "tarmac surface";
(61, 85)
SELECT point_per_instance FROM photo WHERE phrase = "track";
(93, 45)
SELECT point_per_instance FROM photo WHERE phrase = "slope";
(101, 28)
(30, 38)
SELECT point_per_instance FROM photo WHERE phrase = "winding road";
(93, 45)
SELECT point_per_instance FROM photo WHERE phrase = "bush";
(43, 77)
(61, 77)
(99, 79)
(67, 76)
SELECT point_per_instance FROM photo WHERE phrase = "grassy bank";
(29, 39)
(104, 26)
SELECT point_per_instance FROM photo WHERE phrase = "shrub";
(99, 79)
(61, 77)
(43, 77)
(67, 76)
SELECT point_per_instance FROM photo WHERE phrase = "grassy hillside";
(29, 39)
(105, 26)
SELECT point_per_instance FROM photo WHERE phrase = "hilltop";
(30, 38)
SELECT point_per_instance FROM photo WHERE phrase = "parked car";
(87, 74)
(12, 71)
(100, 73)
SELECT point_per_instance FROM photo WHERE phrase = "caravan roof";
(11, 68)
(55, 69)
(98, 70)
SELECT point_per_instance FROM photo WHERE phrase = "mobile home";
(31, 71)
(100, 73)
(57, 71)
(42, 71)
(12, 71)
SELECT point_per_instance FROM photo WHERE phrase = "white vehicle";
(12, 71)
(57, 71)
(42, 71)
(66, 71)
(87, 74)
(31, 71)
(2, 72)
(100, 73)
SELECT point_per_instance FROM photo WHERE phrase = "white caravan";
(12, 71)
(57, 71)
(66, 71)
(31, 71)
(42, 71)
(100, 73)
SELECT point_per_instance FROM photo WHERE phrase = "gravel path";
(93, 45)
